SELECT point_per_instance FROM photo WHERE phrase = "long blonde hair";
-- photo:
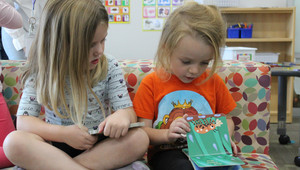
(199, 21)
(60, 52)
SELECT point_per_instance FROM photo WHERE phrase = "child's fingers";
(92, 139)
(183, 120)
(112, 131)
(183, 125)
(87, 146)
(124, 131)
(101, 126)
(234, 148)
(175, 136)
(185, 116)
(117, 133)
(180, 130)
(107, 130)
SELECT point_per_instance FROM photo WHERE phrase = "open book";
(209, 142)
(132, 125)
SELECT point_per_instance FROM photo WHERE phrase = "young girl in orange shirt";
(182, 85)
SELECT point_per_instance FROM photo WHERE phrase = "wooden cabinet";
(273, 31)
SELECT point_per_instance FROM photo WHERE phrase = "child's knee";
(140, 138)
(13, 143)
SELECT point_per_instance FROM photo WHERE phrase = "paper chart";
(156, 11)
(118, 11)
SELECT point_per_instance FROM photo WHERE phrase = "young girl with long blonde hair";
(182, 85)
(68, 73)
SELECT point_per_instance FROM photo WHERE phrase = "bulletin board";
(118, 11)
(155, 12)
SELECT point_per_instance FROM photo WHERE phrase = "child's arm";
(230, 125)
(74, 136)
(162, 136)
(117, 124)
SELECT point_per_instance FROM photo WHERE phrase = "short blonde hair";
(60, 51)
(199, 21)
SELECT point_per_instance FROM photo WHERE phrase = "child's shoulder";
(151, 77)
(30, 80)
(112, 62)
(110, 59)
(214, 76)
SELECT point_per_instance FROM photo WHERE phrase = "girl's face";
(97, 47)
(190, 58)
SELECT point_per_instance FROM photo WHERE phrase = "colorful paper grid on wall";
(118, 11)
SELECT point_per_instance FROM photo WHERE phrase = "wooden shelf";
(288, 40)
(273, 31)
(257, 10)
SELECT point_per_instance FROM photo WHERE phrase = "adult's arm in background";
(9, 16)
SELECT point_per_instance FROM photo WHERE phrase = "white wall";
(129, 41)
(262, 3)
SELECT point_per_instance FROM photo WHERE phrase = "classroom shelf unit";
(273, 31)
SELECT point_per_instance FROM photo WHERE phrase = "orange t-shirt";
(152, 90)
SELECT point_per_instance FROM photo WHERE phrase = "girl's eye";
(204, 63)
(103, 40)
(185, 62)
(93, 45)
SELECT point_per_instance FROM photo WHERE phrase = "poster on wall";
(118, 11)
(156, 11)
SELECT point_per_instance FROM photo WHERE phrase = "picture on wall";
(118, 11)
(156, 11)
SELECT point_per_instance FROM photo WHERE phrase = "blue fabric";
(9, 48)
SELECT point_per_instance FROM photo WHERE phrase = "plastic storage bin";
(239, 53)
(266, 57)
(246, 32)
(233, 32)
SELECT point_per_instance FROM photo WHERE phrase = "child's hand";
(115, 125)
(234, 148)
(79, 138)
(177, 128)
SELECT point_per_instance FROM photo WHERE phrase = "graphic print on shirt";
(175, 104)
(206, 125)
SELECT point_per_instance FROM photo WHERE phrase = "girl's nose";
(194, 69)
(99, 49)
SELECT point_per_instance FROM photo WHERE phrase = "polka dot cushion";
(11, 82)
(249, 84)
(10, 78)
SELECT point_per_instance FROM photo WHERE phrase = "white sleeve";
(28, 104)
(17, 36)
(117, 92)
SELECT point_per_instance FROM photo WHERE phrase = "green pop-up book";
(209, 142)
